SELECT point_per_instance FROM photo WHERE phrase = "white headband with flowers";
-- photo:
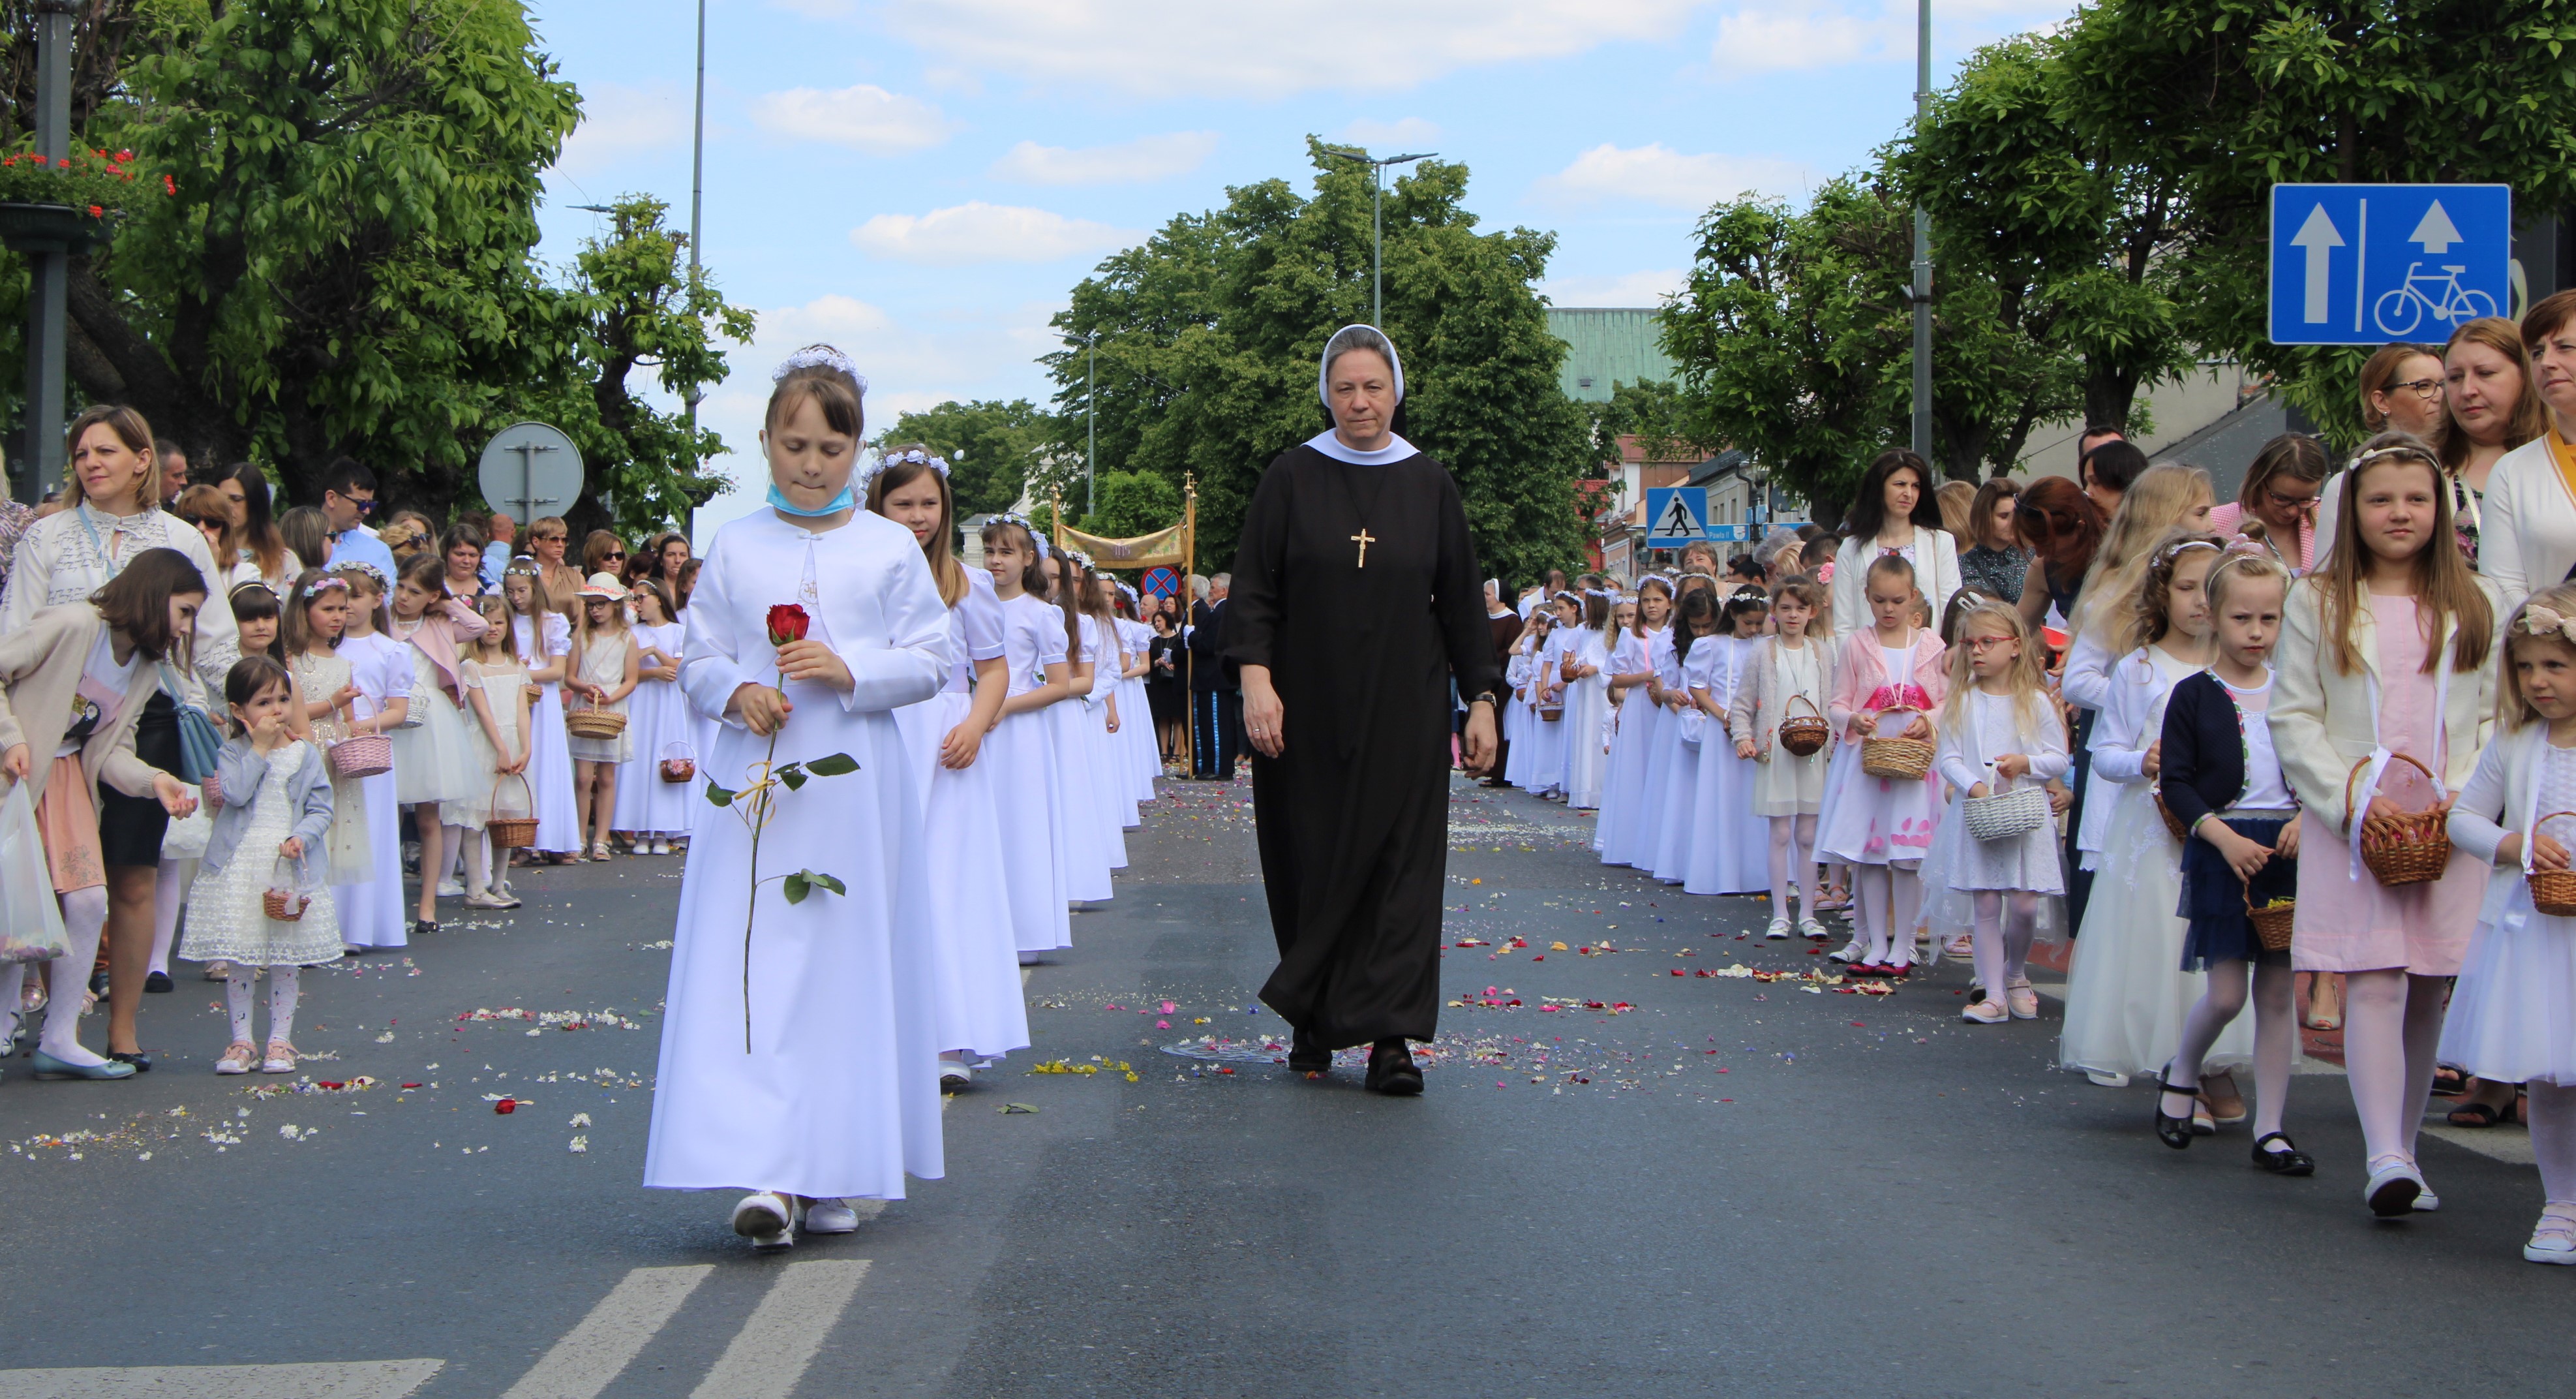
(2543, 621)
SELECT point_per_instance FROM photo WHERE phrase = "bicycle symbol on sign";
(2400, 311)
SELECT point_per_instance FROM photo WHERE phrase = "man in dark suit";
(1216, 704)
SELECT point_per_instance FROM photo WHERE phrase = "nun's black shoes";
(1307, 1054)
(1392, 1071)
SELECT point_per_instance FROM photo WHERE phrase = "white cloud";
(618, 121)
(1657, 174)
(1646, 288)
(1166, 48)
(981, 232)
(866, 117)
(1128, 162)
(1794, 35)
(1408, 132)
(981, 353)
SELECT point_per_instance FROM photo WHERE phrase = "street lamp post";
(697, 194)
(1091, 424)
(1922, 243)
(1377, 220)
(49, 289)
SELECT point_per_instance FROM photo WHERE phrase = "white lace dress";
(352, 860)
(226, 919)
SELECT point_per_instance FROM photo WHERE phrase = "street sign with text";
(2367, 264)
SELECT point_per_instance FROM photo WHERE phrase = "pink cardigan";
(1858, 672)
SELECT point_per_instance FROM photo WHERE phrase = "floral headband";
(915, 456)
(383, 584)
(2537, 620)
(2384, 453)
(822, 357)
(326, 581)
(2176, 550)
(1082, 558)
(1025, 523)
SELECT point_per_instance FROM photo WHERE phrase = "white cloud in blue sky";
(923, 181)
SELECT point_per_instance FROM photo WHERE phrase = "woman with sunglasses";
(559, 581)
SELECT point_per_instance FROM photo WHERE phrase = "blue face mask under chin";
(847, 500)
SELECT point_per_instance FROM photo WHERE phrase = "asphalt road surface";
(1637, 1171)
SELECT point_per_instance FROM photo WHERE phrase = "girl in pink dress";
(1888, 680)
(2388, 648)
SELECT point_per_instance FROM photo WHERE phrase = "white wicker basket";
(2006, 814)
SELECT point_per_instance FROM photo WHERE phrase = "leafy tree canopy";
(991, 447)
(346, 263)
(1209, 335)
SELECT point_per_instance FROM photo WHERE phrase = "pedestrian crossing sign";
(1676, 515)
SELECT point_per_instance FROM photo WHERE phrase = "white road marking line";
(595, 1352)
(358, 1379)
(2499, 1143)
(769, 1354)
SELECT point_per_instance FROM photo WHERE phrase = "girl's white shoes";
(2393, 1187)
(767, 1218)
(280, 1060)
(1985, 1013)
(1779, 928)
(238, 1059)
(2022, 998)
(2553, 1240)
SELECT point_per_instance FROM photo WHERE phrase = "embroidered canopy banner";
(1162, 547)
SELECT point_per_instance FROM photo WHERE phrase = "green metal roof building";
(1608, 345)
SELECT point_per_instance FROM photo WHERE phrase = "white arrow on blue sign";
(2367, 264)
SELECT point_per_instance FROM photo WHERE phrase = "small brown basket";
(1898, 759)
(2271, 921)
(2553, 892)
(281, 901)
(592, 721)
(511, 832)
(1801, 736)
(679, 766)
(2173, 823)
(2420, 847)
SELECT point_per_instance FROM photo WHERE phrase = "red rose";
(787, 622)
(506, 1106)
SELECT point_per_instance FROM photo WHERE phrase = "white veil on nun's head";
(1343, 341)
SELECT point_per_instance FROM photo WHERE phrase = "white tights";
(169, 895)
(1890, 899)
(2391, 1023)
(1793, 846)
(2553, 1141)
(2276, 1035)
(67, 980)
(2006, 922)
(283, 985)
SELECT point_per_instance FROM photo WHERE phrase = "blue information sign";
(1675, 516)
(2367, 264)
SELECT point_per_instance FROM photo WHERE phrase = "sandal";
(238, 1058)
(2477, 1114)
(2322, 990)
(2175, 1132)
(2449, 1080)
(2226, 1107)
(280, 1060)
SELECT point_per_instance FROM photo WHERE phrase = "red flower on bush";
(787, 622)
(97, 211)
(124, 156)
(169, 186)
(65, 162)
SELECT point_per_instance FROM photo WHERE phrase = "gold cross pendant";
(1364, 539)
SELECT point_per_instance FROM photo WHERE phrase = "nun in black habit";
(1356, 600)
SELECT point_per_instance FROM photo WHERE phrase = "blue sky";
(922, 181)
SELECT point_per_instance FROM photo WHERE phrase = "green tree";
(991, 446)
(1133, 503)
(2228, 97)
(2077, 243)
(631, 303)
(1210, 331)
(1651, 410)
(345, 265)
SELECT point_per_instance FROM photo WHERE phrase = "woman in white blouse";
(1893, 513)
(2529, 540)
(117, 516)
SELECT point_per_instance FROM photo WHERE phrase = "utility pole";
(1091, 427)
(48, 261)
(1377, 220)
(1922, 243)
(697, 195)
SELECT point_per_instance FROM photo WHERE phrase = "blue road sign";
(2367, 264)
(1676, 515)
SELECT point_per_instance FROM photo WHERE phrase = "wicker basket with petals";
(2414, 848)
